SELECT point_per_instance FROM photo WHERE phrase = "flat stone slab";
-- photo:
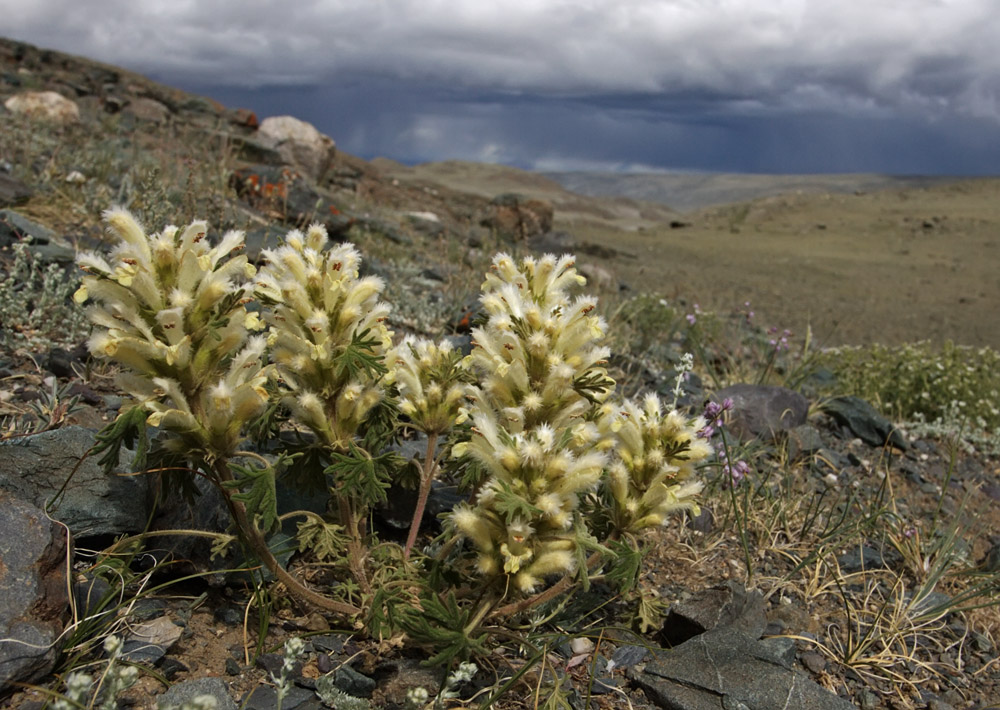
(728, 670)
(36, 467)
(33, 595)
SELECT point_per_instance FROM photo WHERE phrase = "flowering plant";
(212, 349)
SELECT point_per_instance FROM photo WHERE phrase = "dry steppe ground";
(890, 265)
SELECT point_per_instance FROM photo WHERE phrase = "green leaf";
(128, 429)
(511, 505)
(624, 572)
(258, 492)
(442, 625)
(360, 356)
(361, 475)
(325, 540)
(649, 612)
(593, 383)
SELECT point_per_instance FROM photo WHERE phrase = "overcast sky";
(897, 86)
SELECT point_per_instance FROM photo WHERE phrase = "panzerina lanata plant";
(430, 378)
(556, 458)
(541, 373)
(171, 309)
(651, 473)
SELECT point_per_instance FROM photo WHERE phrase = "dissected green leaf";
(359, 474)
(441, 624)
(258, 494)
(511, 505)
(128, 429)
(624, 572)
(325, 540)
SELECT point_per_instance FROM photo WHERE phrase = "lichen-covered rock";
(762, 411)
(33, 594)
(35, 468)
(518, 218)
(44, 105)
(299, 143)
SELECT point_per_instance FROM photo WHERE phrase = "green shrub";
(947, 389)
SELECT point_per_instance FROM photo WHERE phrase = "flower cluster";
(327, 332)
(541, 375)
(171, 307)
(652, 470)
(429, 377)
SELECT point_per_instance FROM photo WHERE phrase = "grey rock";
(189, 690)
(727, 605)
(353, 683)
(33, 597)
(865, 557)
(726, 668)
(402, 675)
(804, 440)
(36, 467)
(265, 697)
(864, 421)
(762, 411)
(628, 655)
(13, 192)
(45, 244)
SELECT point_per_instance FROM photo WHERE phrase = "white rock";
(299, 143)
(46, 105)
(426, 216)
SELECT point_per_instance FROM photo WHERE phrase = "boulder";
(150, 110)
(36, 467)
(45, 244)
(724, 664)
(33, 592)
(299, 143)
(185, 692)
(13, 192)
(762, 411)
(864, 421)
(44, 105)
(515, 217)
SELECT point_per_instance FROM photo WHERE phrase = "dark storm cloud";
(892, 85)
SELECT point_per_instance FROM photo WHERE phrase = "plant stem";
(551, 593)
(426, 478)
(738, 511)
(258, 545)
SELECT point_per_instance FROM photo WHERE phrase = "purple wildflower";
(736, 472)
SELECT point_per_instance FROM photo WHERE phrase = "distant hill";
(691, 191)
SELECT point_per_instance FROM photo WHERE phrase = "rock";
(804, 440)
(865, 557)
(299, 143)
(150, 640)
(353, 683)
(401, 676)
(265, 697)
(13, 192)
(728, 604)
(33, 596)
(44, 105)
(864, 421)
(628, 655)
(517, 218)
(598, 277)
(726, 668)
(145, 109)
(45, 244)
(36, 467)
(190, 689)
(761, 411)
